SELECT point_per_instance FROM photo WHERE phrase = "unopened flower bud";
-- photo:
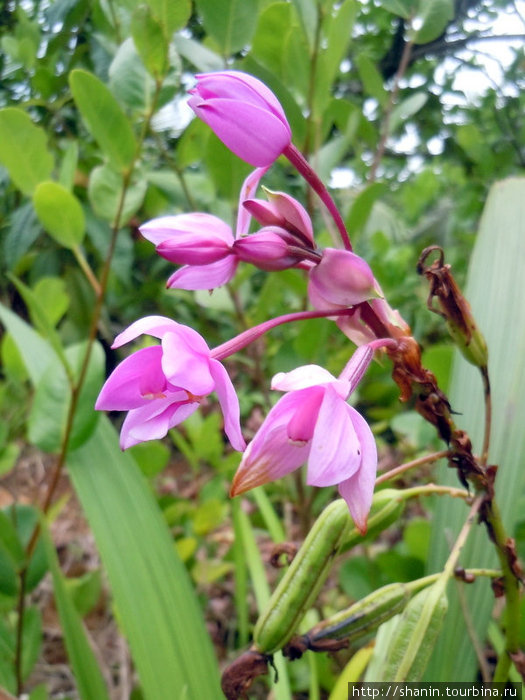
(341, 279)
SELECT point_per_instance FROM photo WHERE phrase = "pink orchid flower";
(160, 386)
(200, 242)
(243, 113)
(284, 211)
(313, 423)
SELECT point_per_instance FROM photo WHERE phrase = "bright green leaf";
(371, 78)
(68, 165)
(406, 109)
(151, 457)
(361, 208)
(60, 213)
(171, 15)
(104, 118)
(51, 291)
(230, 23)
(23, 150)
(129, 81)
(150, 41)
(158, 609)
(401, 8)
(104, 191)
(85, 591)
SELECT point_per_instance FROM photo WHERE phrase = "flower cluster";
(161, 385)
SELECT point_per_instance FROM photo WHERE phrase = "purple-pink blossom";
(313, 423)
(160, 386)
(243, 113)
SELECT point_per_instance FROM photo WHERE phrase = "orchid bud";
(284, 211)
(243, 113)
(341, 279)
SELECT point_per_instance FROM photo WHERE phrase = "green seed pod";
(387, 507)
(301, 583)
(363, 617)
(415, 635)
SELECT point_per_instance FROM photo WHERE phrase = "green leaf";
(371, 79)
(89, 679)
(129, 80)
(31, 639)
(431, 20)
(496, 273)
(158, 609)
(105, 190)
(48, 417)
(60, 213)
(51, 291)
(203, 58)
(231, 23)
(361, 208)
(150, 41)
(269, 39)
(151, 457)
(23, 150)
(171, 15)
(401, 8)
(85, 591)
(104, 118)
(406, 109)
(68, 165)
(24, 229)
(36, 352)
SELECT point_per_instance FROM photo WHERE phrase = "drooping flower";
(340, 280)
(243, 113)
(160, 386)
(313, 423)
(200, 242)
(284, 211)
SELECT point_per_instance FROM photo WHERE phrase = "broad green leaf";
(362, 207)
(36, 352)
(89, 679)
(48, 417)
(23, 150)
(150, 41)
(129, 81)
(68, 165)
(85, 591)
(202, 57)
(60, 213)
(496, 273)
(402, 8)
(157, 607)
(269, 39)
(431, 20)
(371, 79)
(307, 12)
(151, 457)
(105, 189)
(230, 23)
(406, 109)
(171, 15)
(51, 291)
(104, 118)
(40, 319)
(338, 36)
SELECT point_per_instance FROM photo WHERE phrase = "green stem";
(427, 459)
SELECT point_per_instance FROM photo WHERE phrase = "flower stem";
(246, 337)
(304, 168)
(427, 459)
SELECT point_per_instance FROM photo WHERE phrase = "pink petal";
(358, 490)
(294, 213)
(186, 363)
(150, 325)
(248, 189)
(237, 85)
(229, 405)
(302, 424)
(342, 278)
(197, 224)
(135, 379)
(335, 453)
(204, 276)
(251, 132)
(153, 422)
(185, 250)
(301, 378)
(271, 455)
